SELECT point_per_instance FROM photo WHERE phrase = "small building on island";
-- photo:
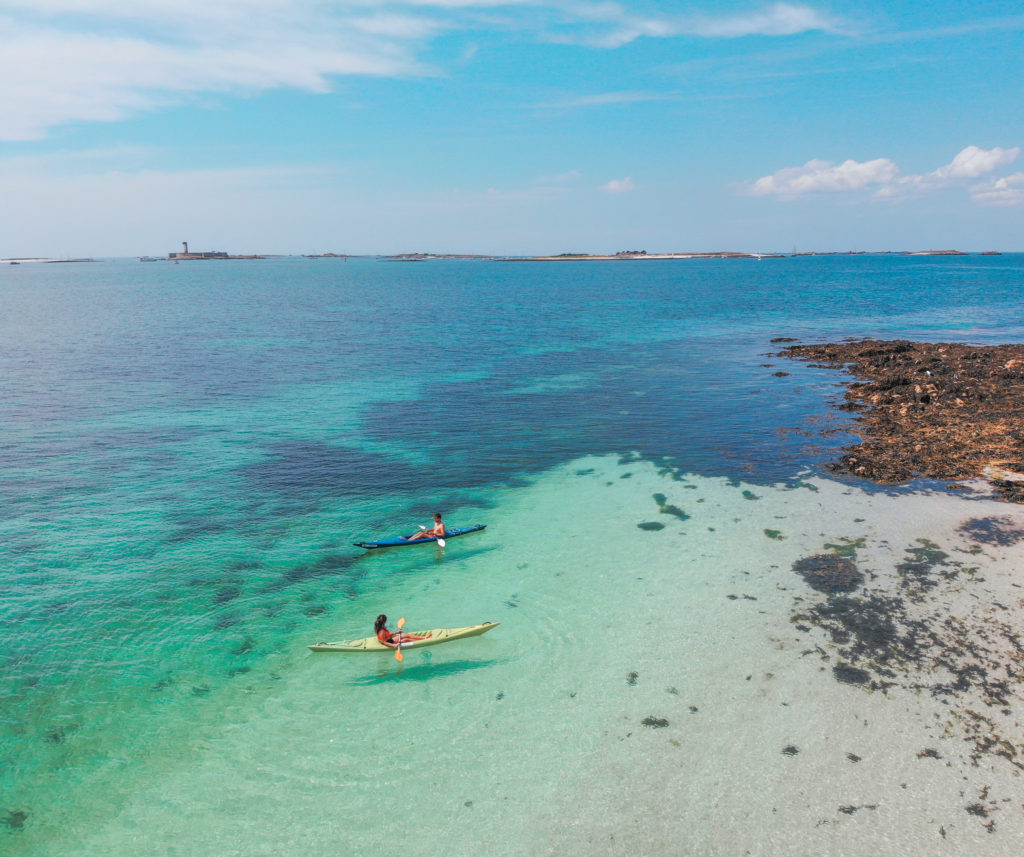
(208, 254)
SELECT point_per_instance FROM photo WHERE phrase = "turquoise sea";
(189, 450)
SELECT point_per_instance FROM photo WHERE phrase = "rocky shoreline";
(945, 411)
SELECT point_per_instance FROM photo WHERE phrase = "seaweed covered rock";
(934, 410)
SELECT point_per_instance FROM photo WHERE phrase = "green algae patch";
(846, 547)
(924, 568)
(651, 526)
(775, 534)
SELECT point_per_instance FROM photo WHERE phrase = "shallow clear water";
(189, 450)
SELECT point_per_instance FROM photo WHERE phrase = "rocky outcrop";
(931, 410)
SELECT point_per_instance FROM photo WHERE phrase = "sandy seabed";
(663, 683)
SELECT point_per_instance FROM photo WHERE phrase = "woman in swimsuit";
(390, 638)
(437, 532)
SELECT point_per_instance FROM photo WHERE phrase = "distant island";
(17, 260)
(636, 255)
(627, 255)
(187, 255)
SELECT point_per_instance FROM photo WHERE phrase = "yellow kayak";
(437, 635)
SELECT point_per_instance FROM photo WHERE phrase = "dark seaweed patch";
(327, 566)
(850, 809)
(750, 495)
(655, 722)
(850, 675)
(651, 526)
(993, 531)
(59, 734)
(666, 508)
(246, 646)
(829, 573)
(631, 679)
(228, 593)
(775, 534)
(918, 570)
(15, 819)
(790, 750)
(909, 638)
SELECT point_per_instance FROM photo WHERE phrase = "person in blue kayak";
(436, 532)
(390, 638)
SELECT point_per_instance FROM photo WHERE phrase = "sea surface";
(188, 452)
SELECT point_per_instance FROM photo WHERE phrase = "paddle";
(398, 648)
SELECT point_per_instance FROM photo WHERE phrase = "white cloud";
(604, 98)
(823, 176)
(619, 26)
(1005, 191)
(65, 61)
(619, 185)
(780, 19)
(971, 162)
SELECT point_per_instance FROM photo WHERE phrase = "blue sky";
(375, 126)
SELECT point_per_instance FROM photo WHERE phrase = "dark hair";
(437, 516)
(382, 620)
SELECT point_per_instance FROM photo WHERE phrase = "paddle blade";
(398, 648)
(441, 543)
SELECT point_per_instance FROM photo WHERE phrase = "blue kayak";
(395, 543)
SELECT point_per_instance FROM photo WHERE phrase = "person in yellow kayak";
(436, 532)
(390, 638)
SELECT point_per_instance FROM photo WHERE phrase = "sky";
(517, 127)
